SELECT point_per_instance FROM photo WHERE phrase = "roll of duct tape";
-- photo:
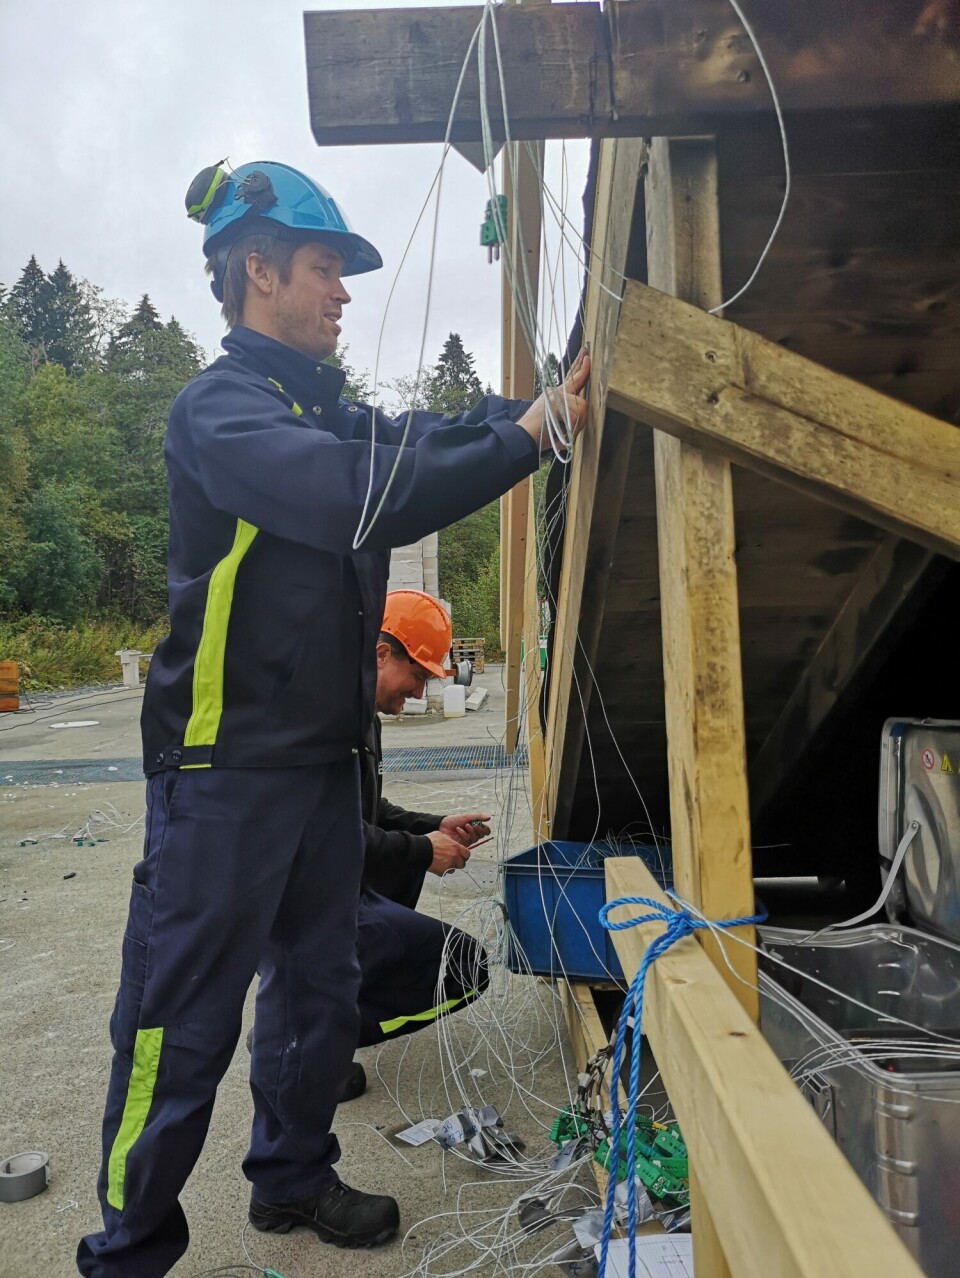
(23, 1176)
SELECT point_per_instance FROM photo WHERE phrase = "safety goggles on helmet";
(267, 198)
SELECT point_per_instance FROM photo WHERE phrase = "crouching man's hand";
(465, 827)
(448, 854)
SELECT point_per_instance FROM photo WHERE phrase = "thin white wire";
(786, 159)
(495, 1246)
(362, 534)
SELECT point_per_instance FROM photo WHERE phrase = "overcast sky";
(108, 108)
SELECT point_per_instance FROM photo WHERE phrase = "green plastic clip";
(671, 1142)
(494, 227)
(567, 1126)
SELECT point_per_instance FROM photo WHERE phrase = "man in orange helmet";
(414, 968)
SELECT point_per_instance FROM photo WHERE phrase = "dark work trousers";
(415, 969)
(242, 869)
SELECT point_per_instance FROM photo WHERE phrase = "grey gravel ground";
(62, 910)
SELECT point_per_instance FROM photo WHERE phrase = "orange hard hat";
(421, 624)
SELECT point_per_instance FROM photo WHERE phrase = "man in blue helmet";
(255, 711)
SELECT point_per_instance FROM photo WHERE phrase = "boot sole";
(267, 1226)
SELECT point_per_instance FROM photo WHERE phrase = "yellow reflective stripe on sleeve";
(431, 1015)
(204, 722)
(293, 403)
(143, 1077)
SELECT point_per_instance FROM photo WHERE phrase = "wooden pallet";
(9, 687)
(468, 650)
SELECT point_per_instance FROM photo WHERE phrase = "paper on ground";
(420, 1133)
(670, 1256)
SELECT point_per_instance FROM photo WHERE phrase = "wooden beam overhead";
(715, 384)
(640, 68)
(783, 1198)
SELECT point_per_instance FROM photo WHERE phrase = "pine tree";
(131, 340)
(29, 305)
(551, 375)
(454, 385)
(69, 338)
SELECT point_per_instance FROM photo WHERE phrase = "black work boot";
(340, 1215)
(354, 1085)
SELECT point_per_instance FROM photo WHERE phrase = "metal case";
(897, 1121)
(920, 781)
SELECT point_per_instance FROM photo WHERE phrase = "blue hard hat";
(266, 198)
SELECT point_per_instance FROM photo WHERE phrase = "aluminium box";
(553, 895)
(893, 1109)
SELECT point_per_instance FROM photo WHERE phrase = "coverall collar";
(298, 374)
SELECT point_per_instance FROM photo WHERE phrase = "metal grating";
(403, 759)
(69, 771)
(447, 758)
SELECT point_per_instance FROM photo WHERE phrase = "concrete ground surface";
(62, 912)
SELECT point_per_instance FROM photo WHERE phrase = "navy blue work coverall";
(414, 968)
(254, 713)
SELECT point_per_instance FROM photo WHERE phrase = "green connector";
(603, 1158)
(494, 222)
(493, 229)
(568, 1126)
(671, 1142)
(660, 1159)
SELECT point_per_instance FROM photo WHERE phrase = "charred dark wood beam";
(897, 575)
(639, 68)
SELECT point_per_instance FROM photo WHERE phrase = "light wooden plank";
(597, 485)
(782, 1197)
(640, 69)
(713, 383)
(533, 685)
(703, 693)
(521, 185)
(514, 524)
(709, 810)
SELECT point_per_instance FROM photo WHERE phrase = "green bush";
(58, 656)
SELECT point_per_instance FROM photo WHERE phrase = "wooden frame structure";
(731, 409)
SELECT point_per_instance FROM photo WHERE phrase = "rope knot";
(680, 921)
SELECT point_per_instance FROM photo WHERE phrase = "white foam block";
(477, 698)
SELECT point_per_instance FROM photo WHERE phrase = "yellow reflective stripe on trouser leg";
(143, 1077)
(208, 664)
(431, 1014)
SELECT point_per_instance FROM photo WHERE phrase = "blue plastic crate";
(554, 893)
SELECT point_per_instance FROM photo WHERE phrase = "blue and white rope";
(680, 922)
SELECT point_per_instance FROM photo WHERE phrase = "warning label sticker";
(928, 759)
(945, 764)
